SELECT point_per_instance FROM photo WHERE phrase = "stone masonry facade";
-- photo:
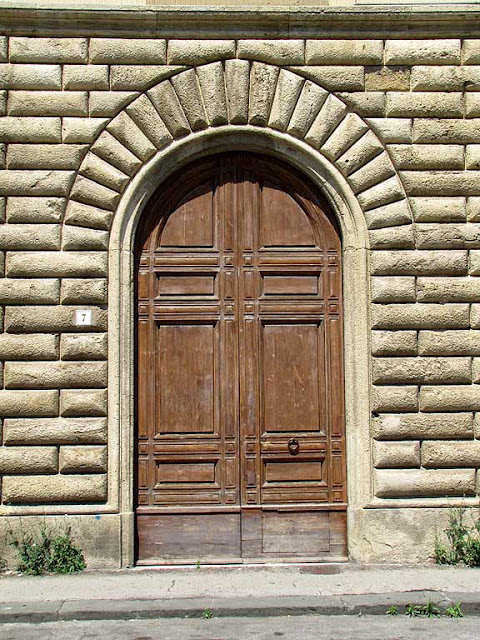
(399, 119)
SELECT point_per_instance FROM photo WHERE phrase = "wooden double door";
(240, 410)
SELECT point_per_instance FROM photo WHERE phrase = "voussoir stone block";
(420, 316)
(146, 117)
(28, 237)
(127, 51)
(26, 291)
(348, 132)
(166, 102)
(95, 194)
(396, 455)
(416, 483)
(84, 215)
(392, 238)
(48, 319)
(419, 263)
(451, 454)
(77, 238)
(28, 404)
(393, 289)
(48, 375)
(287, 92)
(106, 104)
(328, 118)
(394, 343)
(128, 133)
(421, 370)
(395, 399)
(360, 153)
(273, 51)
(386, 192)
(40, 264)
(88, 346)
(263, 79)
(344, 51)
(21, 460)
(212, 86)
(54, 489)
(450, 398)
(199, 51)
(104, 173)
(424, 426)
(451, 343)
(435, 51)
(83, 459)
(34, 346)
(54, 431)
(83, 403)
(371, 174)
(30, 76)
(24, 49)
(84, 291)
(112, 151)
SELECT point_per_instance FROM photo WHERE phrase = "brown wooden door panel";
(239, 368)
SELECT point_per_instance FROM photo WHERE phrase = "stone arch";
(235, 93)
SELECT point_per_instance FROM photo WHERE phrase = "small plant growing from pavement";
(462, 539)
(45, 551)
(392, 611)
(428, 610)
(207, 614)
(454, 611)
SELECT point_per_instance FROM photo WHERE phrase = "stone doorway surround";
(306, 103)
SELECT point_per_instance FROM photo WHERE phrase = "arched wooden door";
(240, 411)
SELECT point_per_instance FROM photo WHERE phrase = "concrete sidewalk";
(333, 589)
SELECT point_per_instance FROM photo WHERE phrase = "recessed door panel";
(240, 432)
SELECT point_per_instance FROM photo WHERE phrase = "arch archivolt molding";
(236, 95)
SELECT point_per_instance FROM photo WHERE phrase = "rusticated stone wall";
(398, 119)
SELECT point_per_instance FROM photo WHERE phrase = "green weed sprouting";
(462, 539)
(45, 551)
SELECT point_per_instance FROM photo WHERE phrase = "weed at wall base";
(462, 539)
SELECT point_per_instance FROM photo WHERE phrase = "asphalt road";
(281, 628)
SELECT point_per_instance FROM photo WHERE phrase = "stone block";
(420, 316)
(448, 236)
(424, 104)
(83, 403)
(449, 343)
(104, 173)
(48, 375)
(413, 483)
(447, 78)
(344, 51)
(97, 195)
(405, 263)
(45, 319)
(28, 404)
(78, 77)
(26, 291)
(394, 399)
(112, 151)
(87, 346)
(472, 105)
(423, 426)
(432, 52)
(78, 130)
(370, 104)
(77, 238)
(23, 49)
(45, 156)
(106, 104)
(48, 264)
(448, 131)
(383, 78)
(237, 80)
(263, 79)
(129, 134)
(35, 183)
(54, 489)
(335, 78)
(393, 214)
(392, 238)
(396, 455)
(348, 132)
(3, 48)
(386, 192)
(471, 52)
(393, 289)
(81, 459)
(392, 130)
(193, 52)
(421, 370)
(30, 76)
(441, 183)
(472, 156)
(475, 316)
(450, 398)
(308, 105)
(138, 77)
(438, 209)
(287, 92)
(29, 237)
(476, 370)
(14, 129)
(329, 117)
(371, 174)
(146, 117)
(361, 152)
(427, 156)
(212, 86)
(474, 269)
(272, 51)
(127, 51)
(448, 290)
(22, 460)
(83, 291)
(48, 103)
(451, 454)
(56, 431)
(394, 343)
(34, 346)
(83, 215)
